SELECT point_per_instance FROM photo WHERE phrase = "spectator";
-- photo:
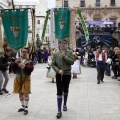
(4, 63)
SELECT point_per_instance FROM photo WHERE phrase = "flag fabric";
(15, 23)
(62, 23)
(45, 24)
(83, 25)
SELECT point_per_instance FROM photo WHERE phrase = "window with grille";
(82, 3)
(97, 3)
(38, 22)
(65, 3)
(112, 3)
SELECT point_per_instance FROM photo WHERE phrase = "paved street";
(87, 100)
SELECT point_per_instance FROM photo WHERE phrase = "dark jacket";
(27, 70)
(4, 62)
(59, 63)
(115, 59)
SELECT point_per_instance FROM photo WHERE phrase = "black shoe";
(26, 110)
(75, 77)
(59, 115)
(102, 81)
(1, 92)
(21, 109)
(98, 82)
(5, 91)
(52, 80)
(64, 108)
(114, 77)
(107, 74)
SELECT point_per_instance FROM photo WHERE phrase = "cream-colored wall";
(103, 3)
(88, 3)
(105, 13)
(105, 10)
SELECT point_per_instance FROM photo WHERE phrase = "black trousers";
(115, 70)
(62, 84)
(39, 59)
(100, 72)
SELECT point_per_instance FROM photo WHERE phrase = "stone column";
(72, 29)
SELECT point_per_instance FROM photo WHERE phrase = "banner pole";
(13, 5)
(14, 9)
(33, 30)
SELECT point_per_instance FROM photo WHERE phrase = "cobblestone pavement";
(87, 100)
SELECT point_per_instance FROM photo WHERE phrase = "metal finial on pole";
(62, 3)
(13, 5)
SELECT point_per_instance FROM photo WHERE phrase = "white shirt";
(100, 57)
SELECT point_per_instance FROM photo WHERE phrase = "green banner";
(62, 23)
(83, 25)
(45, 24)
(15, 23)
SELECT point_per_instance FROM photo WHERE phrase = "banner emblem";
(15, 30)
(62, 24)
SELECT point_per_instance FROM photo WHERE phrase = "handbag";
(76, 67)
(109, 61)
(50, 73)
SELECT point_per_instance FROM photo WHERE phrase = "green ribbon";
(45, 24)
(83, 25)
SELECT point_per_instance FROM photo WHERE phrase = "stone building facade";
(40, 7)
(97, 10)
(4, 4)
